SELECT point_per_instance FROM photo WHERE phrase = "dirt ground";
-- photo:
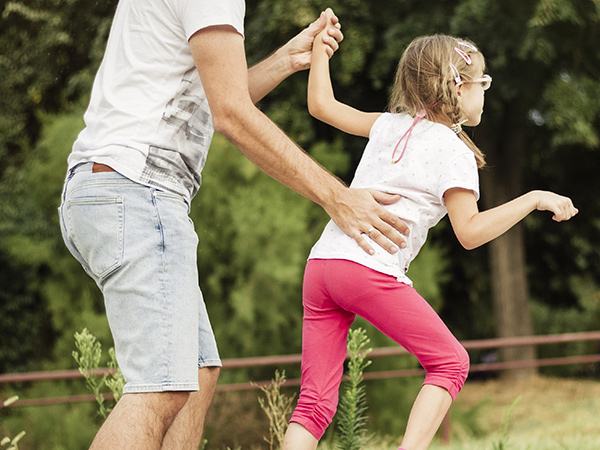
(562, 411)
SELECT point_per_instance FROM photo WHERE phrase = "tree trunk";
(510, 292)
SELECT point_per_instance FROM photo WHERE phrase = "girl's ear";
(459, 95)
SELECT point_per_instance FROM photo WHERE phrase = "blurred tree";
(545, 66)
(540, 130)
(542, 109)
(54, 297)
(49, 51)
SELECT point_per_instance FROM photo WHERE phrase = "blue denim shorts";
(139, 245)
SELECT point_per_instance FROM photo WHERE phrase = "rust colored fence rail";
(295, 359)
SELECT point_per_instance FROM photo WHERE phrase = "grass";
(539, 413)
(550, 414)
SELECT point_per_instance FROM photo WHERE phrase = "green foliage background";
(254, 233)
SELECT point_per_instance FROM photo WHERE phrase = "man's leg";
(139, 421)
(145, 265)
(186, 430)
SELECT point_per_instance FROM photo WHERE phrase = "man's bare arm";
(220, 58)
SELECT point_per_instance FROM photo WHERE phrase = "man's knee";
(171, 400)
(164, 405)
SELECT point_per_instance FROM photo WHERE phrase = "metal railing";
(239, 363)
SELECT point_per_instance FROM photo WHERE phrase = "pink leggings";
(335, 291)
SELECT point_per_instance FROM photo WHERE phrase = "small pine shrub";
(352, 410)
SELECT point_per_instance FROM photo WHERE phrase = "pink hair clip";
(456, 74)
(469, 46)
(463, 55)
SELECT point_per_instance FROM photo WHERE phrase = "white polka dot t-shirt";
(435, 160)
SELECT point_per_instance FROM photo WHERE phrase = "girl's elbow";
(315, 107)
(318, 112)
(469, 245)
(468, 241)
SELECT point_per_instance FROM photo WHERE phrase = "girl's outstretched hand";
(562, 207)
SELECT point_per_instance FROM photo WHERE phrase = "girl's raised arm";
(474, 228)
(322, 104)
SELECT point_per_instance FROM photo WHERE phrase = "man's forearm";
(220, 58)
(264, 76)
(278, 156)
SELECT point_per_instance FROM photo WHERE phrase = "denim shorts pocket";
(95, 227)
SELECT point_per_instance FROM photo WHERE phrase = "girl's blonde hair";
(425, 80)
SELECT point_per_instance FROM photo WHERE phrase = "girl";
(417, 150)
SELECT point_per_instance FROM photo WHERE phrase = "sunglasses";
(486, 82)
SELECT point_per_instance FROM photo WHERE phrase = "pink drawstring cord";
(420, 115)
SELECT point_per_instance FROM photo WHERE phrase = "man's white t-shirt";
(148, 116)
(435, 160)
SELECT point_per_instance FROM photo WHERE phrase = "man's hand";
(299, 48)
(295, 55)
(359, 213)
